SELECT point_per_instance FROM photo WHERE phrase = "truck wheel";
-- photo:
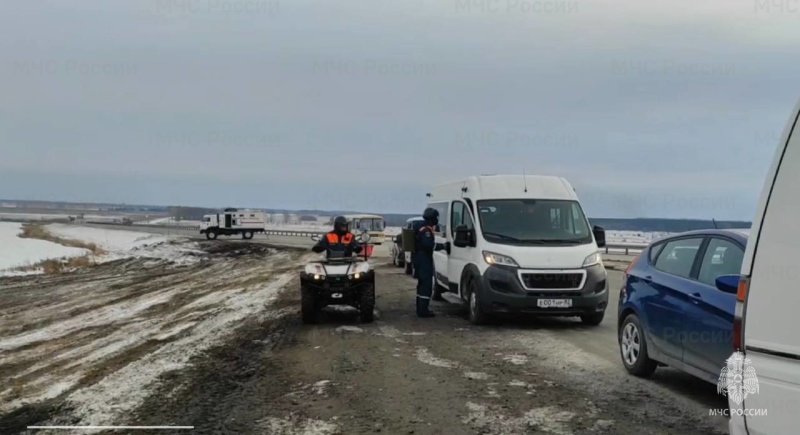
(211, 235)
(366, 303)
(308, 305)
(476, 314)
(247, 235)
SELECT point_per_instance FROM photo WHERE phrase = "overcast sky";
(650, 108)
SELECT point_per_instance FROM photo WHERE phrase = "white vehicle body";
(552, 268)
(768, 300)
(244, 222)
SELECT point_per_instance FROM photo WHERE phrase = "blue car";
(677, 301)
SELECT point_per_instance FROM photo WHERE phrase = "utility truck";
(233, 222)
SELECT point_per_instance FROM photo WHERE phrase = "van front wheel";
(476, 314)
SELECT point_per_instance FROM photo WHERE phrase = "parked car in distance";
(400, 257)
(768, 302)
(677, 301)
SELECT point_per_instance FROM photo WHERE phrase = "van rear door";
(772, 304)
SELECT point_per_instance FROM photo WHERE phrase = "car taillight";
(633, 263)
(738, 319)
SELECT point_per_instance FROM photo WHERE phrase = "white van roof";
(506, 187)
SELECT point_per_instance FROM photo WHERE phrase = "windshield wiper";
(554, 241)
(502, 236)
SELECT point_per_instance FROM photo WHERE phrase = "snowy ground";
(120, 244)
(18, 252)
(171, 221)
(98, 341)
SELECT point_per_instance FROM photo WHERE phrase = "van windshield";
(534, 222)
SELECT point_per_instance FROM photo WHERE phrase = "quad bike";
(338, 280)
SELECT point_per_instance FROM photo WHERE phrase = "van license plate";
(554, 303)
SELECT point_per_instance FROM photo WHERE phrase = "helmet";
(431, 215)
(340, 224)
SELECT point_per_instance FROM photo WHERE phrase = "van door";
(459, 257)
(771, 321)
(440, 258)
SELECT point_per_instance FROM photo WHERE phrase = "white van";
(766, 323)
(519, 244)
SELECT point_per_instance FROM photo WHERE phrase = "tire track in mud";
(91, 358)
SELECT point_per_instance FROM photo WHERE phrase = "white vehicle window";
(444, 216)
(461, 216)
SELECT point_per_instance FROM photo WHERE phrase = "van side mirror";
(599, 236)
(463, 237)
(728, 283)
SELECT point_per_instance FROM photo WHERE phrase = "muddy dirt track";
(226, 364)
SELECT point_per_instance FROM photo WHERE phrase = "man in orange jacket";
(340, 241)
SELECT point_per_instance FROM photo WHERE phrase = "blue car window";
(722, 257)
(677, 257)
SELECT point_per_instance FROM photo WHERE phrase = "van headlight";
(592, 259)
(499, 259)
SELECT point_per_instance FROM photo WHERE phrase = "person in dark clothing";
(339, 242)
(423, 259)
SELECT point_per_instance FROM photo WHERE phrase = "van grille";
(552, 280)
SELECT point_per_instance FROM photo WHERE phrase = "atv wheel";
(308, 305)
(366, 304)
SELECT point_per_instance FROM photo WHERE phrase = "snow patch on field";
(112, 398)
(476, 375)
(560, 353)
(16, 252)
(424, 356)
(547, 419)
(121, 244)
(294, 425)
(516, 359)
(109, 240)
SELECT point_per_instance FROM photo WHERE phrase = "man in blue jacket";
(423, 259)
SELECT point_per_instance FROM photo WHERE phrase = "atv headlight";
(318, 277)
(593, 259)
(503, 260)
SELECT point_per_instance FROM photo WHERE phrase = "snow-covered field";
(18, 252)
(58, 217)
(171, 221)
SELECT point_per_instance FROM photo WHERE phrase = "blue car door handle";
(696, 297)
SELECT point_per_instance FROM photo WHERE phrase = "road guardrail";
(626, 248)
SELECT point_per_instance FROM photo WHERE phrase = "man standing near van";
(423, 259)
